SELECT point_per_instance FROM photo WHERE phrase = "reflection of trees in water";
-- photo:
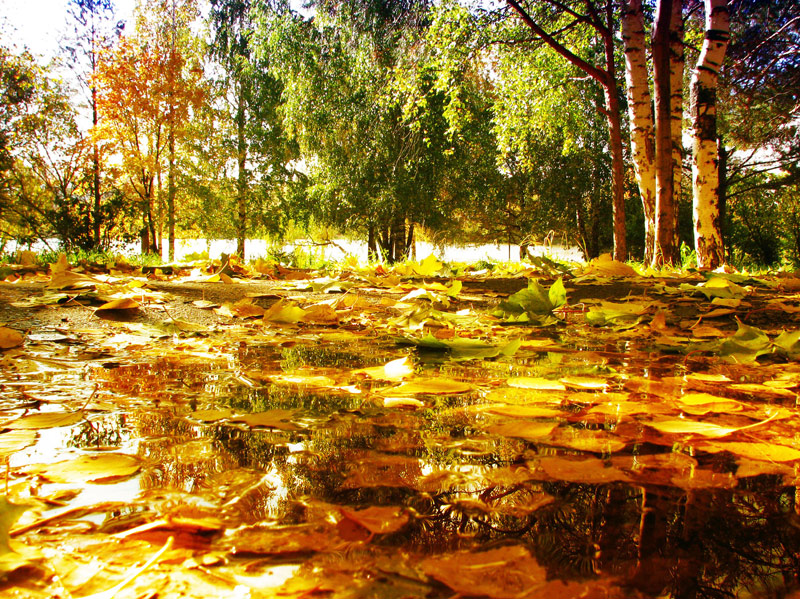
(701, 543)
(99, 432)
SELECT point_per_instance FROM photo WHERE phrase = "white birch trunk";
(640, 111)
(676, 66)
(705, 167)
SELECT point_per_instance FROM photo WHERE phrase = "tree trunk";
(640, 110)
(705, 173)
(241, 183)
(97, 215)
(617, 159)
(171, 194)
(373, 251)
(722, 188)
(665, 251)
(676, 62)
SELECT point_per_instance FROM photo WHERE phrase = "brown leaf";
(378, 519)
(10, 338)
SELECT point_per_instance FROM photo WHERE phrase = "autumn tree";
(147, 87)
(94, 30)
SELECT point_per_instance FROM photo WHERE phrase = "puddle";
(568, 459)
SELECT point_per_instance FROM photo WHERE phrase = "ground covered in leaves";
(426, 430)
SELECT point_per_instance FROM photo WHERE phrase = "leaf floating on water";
(584, 382)
(681, 426)
(45, 420)
(538, 383)
(10, 338)
(10, 560)
(523, 429)
(16, 440)
(768, 452)
(210, 415)
(504, 573)
(396, 370)
(97, 468)
(436, 386)
(586, 469)
(279, 419)
(378, 519)
(284, 312)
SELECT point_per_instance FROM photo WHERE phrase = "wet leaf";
(788, 344)
(682, 426)
(533, 303)
(95, 468)
(10, 338)
(755, 450)
(523, 429)
(617, 314)
(747, 344)
(721, 288)
(463, 347)
(378, 519)
(435, 386)
(538, 383)
(586, 469)
(10, 560)
(16, 440)
(395, 370)
(505, 573)
(278, 419)
(45, 420)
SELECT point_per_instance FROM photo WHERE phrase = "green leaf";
(788, 344)
(533, 304)
(746, 345)
(462, 348)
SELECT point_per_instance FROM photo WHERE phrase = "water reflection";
(653, 519)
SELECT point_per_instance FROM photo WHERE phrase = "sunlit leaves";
(534, 305)
(45, 420)
(433, 386)
(95, 468)
(746, 345)
(10, 338)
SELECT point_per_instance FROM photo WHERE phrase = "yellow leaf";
(587, 469)
(402, 402)
(438, 386)
(210, 415)
(541, 384)
(46, 420)
(124, 303)
(605, 266)
(587, 440)
(504, 573)
(225, 278)
(767, 452)
(428, 266)
(283, 312)
(395, 370)
(320, 314)
(245, 308)
(584, 382)
(523, 429)
(279, 419)
(99, 468)
(378, 519)
(10, 338)
(15, 440)
(59, 266)
(691, 427)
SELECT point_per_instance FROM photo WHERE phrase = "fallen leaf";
(95, 468)
(45, 420)
(436, 386)
(124, 303)
(378, 519)
(541, 384)
(278, 419)
(10, 338)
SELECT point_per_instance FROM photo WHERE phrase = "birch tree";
(705, 171)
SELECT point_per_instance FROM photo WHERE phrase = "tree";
(378, 163)
(146, 90)
(705, 171)
(600, 20)
(251, 102)
(94, 32)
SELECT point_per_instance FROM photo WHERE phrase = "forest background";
(394, 120)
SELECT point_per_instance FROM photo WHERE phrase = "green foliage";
(534, 305)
